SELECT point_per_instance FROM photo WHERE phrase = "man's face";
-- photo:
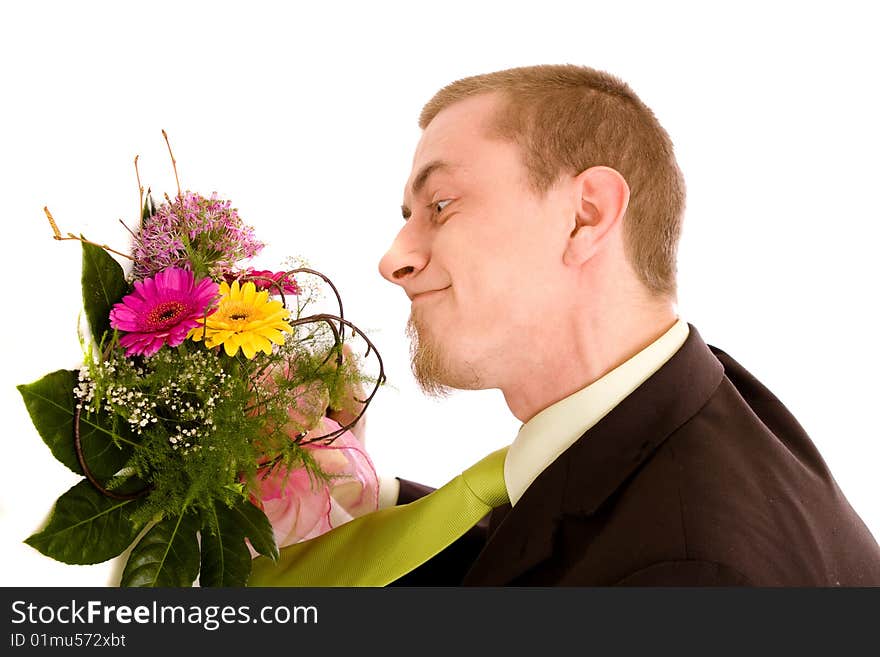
(478, 254)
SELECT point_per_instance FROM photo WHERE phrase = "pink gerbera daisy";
(162, 310)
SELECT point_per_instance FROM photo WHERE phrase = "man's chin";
(430, 384)
(434, 372)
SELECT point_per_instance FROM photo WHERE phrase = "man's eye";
(438, 206)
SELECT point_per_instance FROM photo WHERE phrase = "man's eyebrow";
(422, 178)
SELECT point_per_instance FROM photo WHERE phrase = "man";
(542, 219)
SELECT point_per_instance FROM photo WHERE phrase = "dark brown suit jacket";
(699, 477)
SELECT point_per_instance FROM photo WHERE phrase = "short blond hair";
(568, 118)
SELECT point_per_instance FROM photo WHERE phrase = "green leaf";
(226, 560)
(148, 210)
(106, 448)
(256, 526)
(51, 404)
(86, 527)
(167, 555)
(103, 284)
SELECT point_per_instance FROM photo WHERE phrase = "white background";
(306, 119)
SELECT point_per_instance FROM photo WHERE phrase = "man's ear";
(603, 196)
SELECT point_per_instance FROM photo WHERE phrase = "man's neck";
(558, 373)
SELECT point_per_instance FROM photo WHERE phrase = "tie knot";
(486, 479)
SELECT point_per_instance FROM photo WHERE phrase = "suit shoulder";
(754, 493)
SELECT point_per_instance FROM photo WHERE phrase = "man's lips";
(428, 293)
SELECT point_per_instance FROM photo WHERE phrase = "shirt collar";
(549, 433)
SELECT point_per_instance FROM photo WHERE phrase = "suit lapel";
(589, 471)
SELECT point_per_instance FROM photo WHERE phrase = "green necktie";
(379, 547)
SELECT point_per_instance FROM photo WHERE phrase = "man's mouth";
(429, 293)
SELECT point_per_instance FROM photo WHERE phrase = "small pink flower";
(265, 280)
(162, 310)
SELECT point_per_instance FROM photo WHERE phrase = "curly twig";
(325, 317)
(272, 281)
(77, 443)
(306, 270)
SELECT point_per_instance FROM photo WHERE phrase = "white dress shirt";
(549, 433)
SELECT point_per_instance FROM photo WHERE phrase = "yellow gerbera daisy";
(244, 318)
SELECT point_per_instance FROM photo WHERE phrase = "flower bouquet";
(199, 418)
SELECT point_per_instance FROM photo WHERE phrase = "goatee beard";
(429, 364)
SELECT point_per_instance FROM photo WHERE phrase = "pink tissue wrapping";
(303, 508)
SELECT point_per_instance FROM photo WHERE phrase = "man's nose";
(404, 259)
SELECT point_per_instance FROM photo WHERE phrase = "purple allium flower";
(193, 232)
(162, 310)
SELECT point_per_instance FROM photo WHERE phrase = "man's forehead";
(447, 141)
(420, 177)
(435, 159)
